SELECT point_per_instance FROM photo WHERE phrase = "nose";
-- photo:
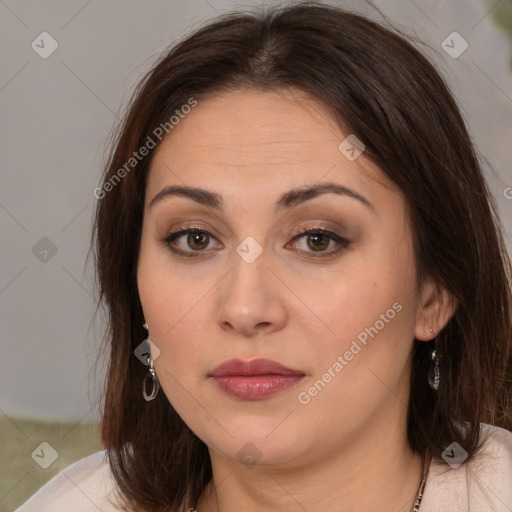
(251, 298)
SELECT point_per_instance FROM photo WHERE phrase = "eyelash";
(343, 243)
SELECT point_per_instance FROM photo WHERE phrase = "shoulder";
(84, 486)
(484, 483)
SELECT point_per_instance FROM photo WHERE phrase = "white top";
(482, 485)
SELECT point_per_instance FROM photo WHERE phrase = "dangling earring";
(151, 375)
(433, 373)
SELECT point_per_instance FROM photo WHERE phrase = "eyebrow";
(289, 199)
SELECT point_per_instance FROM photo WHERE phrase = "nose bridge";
(249, 280)
(250, 261)
(249, 300)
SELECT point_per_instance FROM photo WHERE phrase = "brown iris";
(197, 238)
(316, 238)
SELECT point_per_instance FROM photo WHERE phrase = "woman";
(294, 217)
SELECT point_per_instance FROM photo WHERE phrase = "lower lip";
(252, 387)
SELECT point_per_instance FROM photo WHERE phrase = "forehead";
(254, 141)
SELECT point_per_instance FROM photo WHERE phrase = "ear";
(435, 308)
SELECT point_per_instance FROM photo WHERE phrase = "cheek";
(371, 331)
(170, 297)
(370, 312)
(366, 364)
(177, 324)
(174, 307)
(163, 301)
(365, 296)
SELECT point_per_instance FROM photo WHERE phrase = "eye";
(180, 242)
(318, 240)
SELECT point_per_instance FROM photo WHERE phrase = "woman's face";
(339, 309)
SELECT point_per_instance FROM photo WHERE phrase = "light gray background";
(55, 116)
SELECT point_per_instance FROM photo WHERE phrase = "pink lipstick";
(252, 380)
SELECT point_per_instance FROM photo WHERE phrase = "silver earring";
(433, 373)
(151, 376)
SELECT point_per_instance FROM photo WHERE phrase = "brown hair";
(386, 92)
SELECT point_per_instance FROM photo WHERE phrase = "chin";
(256, 444)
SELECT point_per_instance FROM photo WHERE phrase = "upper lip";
(254, 367)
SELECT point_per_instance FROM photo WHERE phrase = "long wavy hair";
(382, 89)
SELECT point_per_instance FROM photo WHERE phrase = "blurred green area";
(20, 474)
(501, 14)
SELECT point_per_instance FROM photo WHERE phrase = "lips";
(254, 379)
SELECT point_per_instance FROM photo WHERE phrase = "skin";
(346, 449)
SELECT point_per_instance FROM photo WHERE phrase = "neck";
(374, 471)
